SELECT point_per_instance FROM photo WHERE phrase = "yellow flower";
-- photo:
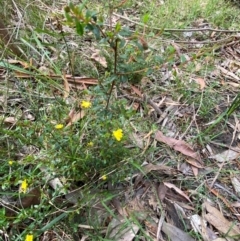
(118, 134)
(90, 144)
(85, 104)
(24, 186)
(104, 177)
(10, 163)
(29, 237)
(59, 126)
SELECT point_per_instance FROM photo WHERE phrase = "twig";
(226, 190)
(207, 41)
(150, 102)
(115, 71)
(223, 145)
(178, 30)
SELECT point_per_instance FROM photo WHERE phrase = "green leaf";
(122, 43)
(51, 33)
(71, 6)
(145, 18)
(79, 27)
(53, 222)
(125, 32)
(149, 71)
(96, 32)
(118, 27)
(82, 6)
(68, 17)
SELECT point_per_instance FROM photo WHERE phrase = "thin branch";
(178, 30)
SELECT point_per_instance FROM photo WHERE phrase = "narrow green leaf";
(79, 27)
(53, 222)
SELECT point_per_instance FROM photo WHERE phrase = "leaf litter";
(161, 184)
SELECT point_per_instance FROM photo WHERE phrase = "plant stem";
(115, 72)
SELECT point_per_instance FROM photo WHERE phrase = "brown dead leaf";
(199, 225)
(31, 198)
(177, 47)
(215, 218)
(150, 167)
(236, 204)
(162, 191)
(236, 85)
(137, 140)
(74, 117)
(66, 87)
(201, 82)
(179, 191)
(194, 162)
(236, 184)
(137, 91)
(10, 120)
(226, 156)
(228, 73)
(98, 58)
(118, 230)
(178, 145)
(195, 171)
(24, 64)
(174, 233)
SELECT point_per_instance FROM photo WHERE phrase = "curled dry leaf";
(178, 145)
(226, 156)
(10, 120)
(236, 184)
(174, 233)
(137, 91)
(200, 226)
(215, 218)
(179, 191)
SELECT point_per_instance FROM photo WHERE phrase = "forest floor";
(121, 121)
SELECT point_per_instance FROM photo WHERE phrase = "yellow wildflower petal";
(90, 144)
(29, 237)
(118, 134)
(59, 126)
(10, 163)
(85, 104)
(24, 186)
(104, 177)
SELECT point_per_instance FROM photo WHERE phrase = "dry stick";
(224, 40)
(189, 30)
(150, 102)
(223, 145)
(179, 30)
(226, 190)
